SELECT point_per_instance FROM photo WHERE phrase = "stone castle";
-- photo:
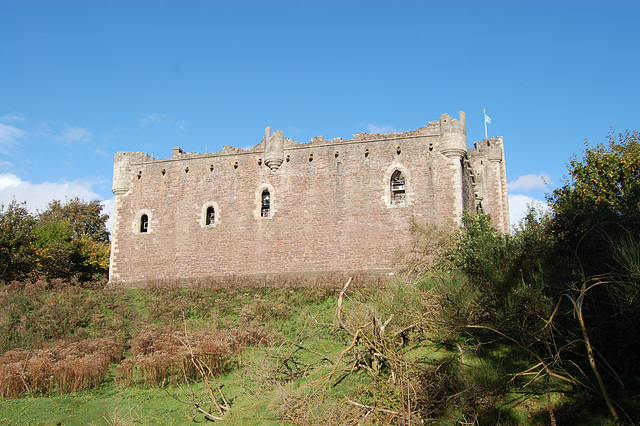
(284, 207)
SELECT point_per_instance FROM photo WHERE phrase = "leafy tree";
(84, 218)
(17, 242)
(596, 224)
(53, 232)
(73, 239)
(599, 204)
(56, 253)
(95, 256)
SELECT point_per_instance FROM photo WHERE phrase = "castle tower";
(453, 145)
(122, 179)
(497, 178)
(487, 159)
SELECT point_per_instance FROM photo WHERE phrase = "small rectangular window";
(144, 223)
(398, 193)
(211, 216)
(266, 204)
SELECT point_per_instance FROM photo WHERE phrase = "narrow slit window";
(211, 215)
(266, 204)
(398, 192)
(144, 223)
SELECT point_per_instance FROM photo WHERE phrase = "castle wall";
(330, 206)
(487, 162)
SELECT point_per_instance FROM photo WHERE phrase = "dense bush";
(64, 241)
(564, 286)
(17, 242)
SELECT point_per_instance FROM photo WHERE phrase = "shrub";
(58, 368)
(166, 353)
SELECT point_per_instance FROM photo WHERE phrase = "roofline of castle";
(431, 130)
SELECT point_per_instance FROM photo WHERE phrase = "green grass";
(287, 381)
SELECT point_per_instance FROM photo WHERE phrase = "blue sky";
(81, 80)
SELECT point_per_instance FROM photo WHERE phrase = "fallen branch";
(339, 308)
(382, 410)
(195, 404)
(324, 357)
(207, 415)
(343, 353)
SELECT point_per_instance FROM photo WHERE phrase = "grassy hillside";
(272, 355)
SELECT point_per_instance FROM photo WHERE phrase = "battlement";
(447, 128)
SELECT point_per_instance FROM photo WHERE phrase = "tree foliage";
(599, 204)
(565, 285)
(17, 242)
(64, 241)
(605, 182)
(83, 217)
(596, 225)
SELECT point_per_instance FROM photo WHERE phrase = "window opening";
(144, 223)
(398, 194)
(211, 216)
(266, 204)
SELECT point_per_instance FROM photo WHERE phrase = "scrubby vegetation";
(537, 327)
(66, 241)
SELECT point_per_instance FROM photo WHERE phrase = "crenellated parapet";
(492, 149)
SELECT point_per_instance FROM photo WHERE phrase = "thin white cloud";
(374, 128)
(101, 152)
(154, 118)
(157, 118)
(39, 195)
(4, 165)
(9, 137)
(519, 206)
(74, 134)
(529, 182)
(12, 118)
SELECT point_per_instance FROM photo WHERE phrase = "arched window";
(210, 216)
(144, 223)
(266, 204)
(398, 194)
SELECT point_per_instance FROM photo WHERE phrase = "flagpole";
(485, 123)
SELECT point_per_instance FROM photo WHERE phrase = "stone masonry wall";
(330, 207)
